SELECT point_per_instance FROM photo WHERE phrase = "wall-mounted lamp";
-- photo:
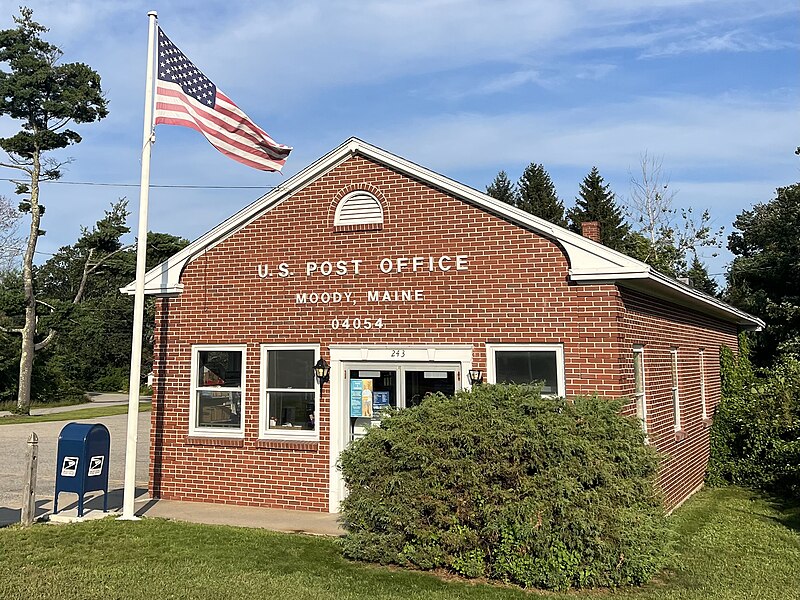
(475, 377)
(322, 370)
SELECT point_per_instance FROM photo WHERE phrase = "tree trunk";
(29, 329)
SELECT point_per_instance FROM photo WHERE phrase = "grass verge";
(733, 545)
(72, 415)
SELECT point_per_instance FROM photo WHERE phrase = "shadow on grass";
(789, 509)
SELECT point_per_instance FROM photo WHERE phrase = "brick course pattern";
(515, 290)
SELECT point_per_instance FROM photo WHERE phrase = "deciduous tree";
(664, 236)
(764, 278)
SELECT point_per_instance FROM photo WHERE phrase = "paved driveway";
(13, 444)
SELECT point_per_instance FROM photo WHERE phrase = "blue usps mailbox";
(82, 463)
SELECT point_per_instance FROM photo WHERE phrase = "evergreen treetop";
(596, 202)
(537, 195)
(502, 188)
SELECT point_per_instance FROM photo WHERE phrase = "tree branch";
(7, 330)
(46, 341)
(43, 303)
(89, 270)
(18, 167)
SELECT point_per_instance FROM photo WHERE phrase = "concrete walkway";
(13, 440)
(290, 521)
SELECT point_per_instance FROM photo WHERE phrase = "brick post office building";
(403, 281)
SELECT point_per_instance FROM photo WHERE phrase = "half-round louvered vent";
(358, 208)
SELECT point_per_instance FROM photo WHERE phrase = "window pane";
(290, 369)
(638, 378)
(526, 366)
(219, 409)
(292, 410)
(220, 368)
(674, 369)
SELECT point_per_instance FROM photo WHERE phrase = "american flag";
(186, 97)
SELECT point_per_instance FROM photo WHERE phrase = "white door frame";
(389, 354)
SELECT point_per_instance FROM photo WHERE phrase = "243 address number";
(356, 323)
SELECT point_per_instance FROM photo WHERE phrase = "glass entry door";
(419, 384)
(370, 388)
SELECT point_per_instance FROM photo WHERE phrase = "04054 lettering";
(356, 323)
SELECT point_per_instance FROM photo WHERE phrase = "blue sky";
(465, 88)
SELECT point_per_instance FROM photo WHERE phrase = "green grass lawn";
(733, 544)
(72, 415)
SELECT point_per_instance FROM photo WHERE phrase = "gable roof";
(590, 261)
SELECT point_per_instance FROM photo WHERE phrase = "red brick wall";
(659, 326)
(514, 291)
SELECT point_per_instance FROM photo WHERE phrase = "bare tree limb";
(51, 335)
(87, 270)
(18, 167)
(7, 330)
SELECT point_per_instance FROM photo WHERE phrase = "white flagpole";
(128, 510)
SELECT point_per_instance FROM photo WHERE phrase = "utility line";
(136, 185)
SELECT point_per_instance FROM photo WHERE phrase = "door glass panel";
(421, 383)
(373, 392)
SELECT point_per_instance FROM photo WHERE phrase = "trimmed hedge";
(501, 483)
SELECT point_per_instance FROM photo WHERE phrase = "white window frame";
(640, 397)
(703, 400)
(264, 432)
(674, 382)
(219, 432)
(492, 349)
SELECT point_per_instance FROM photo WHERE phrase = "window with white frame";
(217, 406)
(289, 392)
(701, 358)
(676, 404)
(638, 385)
(527, 363)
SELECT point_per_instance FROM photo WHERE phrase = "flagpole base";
(130, 518)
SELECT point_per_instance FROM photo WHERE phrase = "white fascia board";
(589, 261)
(164, 279)
(585, 255)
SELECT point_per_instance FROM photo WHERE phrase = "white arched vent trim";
(358, 208)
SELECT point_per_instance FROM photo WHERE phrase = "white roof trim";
(589, 261)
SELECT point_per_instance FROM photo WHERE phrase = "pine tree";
(597, 202)
(537, 195)
(503, 189)
(44, 96)
(699, 278)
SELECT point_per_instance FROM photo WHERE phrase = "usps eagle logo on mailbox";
(95, 466)
(69, 468)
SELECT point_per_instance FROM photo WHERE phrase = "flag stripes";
(186, 97)
(226, 131)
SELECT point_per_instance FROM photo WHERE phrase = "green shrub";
(755, 439)
(498, 482)
(114, 380)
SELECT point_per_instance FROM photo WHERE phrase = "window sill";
(284, 444)
(680, 435)
(194, 440)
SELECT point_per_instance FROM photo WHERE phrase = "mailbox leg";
(55, 504)
(105, 500)
(80, 505)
